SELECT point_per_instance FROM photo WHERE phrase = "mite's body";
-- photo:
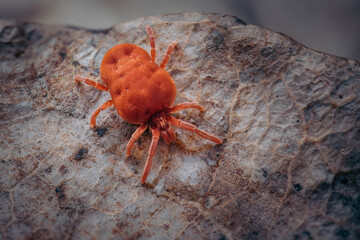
(138, 86)
(142, 93)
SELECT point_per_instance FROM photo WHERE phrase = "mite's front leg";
(94, 115)
(92, 83)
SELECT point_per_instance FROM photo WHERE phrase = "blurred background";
(331, 26)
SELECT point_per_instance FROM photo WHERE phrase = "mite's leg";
(171, 134)
(193, 128)
(140, 130)
(165, 135)
(152, 150)
(168, 53)
(90, 82)
(168, 135)
(97, 111)
(185, 105)
(152, 41)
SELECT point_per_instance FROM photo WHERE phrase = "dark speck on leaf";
(81, 154)
(264, 173)
(41, 75)
(62, 170)
(265, 52)
(48, 170)
(343, 179)
(297, 187)
(222, 237)
(101, 131)
(234, 85)
(76, 63)
(62, 55)
(60, 192)
(18, 53)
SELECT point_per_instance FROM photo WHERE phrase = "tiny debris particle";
(264, 173)
(265, 52)
(41, 75)
(101, 131)
(297, 187)
(222, 237)
(81, 154)
(62, 55)
(60, 192)
(343, 179)
(48, 170)
(62, 170)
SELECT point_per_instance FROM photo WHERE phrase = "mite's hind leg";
(92, 83)
(139, 131)
(171, 134)
(168, 135)
(168, 53)
(105, 105)
(152, 151)
(193, 128)
(152, 41)
(165, 135)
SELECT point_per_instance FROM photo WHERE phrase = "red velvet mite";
(142, 93)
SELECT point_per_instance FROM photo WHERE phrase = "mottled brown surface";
(289, 167)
